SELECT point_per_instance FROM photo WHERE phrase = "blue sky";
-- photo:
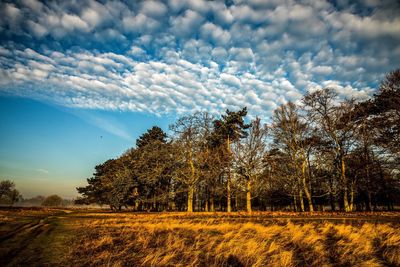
(73, 71)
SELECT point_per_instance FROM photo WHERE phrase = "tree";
(333, 121)
(385, 107)
(153, 163)
(378, 134)
(230, 128)
(249, 155)
(292, 136)
(52, 201)
(155, 134)
(190, 131)
(96, 191)
(112, 185)
(8, 193)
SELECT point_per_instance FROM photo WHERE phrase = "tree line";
(9, 196)
(323, 153)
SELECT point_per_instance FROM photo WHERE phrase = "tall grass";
(217, 240)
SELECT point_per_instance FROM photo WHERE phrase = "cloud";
(177, 56)
(106, 123)
(44, 171)
(154, 8)
(95, 14)
(230, 80)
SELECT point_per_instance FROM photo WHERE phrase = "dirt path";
(33, 243)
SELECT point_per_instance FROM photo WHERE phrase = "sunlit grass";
(179, 239)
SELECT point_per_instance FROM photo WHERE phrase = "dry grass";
(177, 239)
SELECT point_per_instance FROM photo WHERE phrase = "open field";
(37, 237)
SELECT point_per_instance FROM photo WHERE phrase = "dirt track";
(30, 241)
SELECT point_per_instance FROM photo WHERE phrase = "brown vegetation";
(209, 239)
(56, 237)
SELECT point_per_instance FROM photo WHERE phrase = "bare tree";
(189, 143)
(248, 156)
(292, 135)
(333, 119)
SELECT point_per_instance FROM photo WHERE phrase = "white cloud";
(215, 33)
(187, 23)
(33, 5)
(139, 23)
(72, 22)
(230, 80)
(44, 171)
(322, 70)
(179, 56)
(38, 30)
(95, 14)
(154, 8)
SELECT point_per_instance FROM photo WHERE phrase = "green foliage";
(231, 126)
(153, 135)
(8, 194)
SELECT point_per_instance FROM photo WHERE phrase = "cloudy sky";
(80, 80)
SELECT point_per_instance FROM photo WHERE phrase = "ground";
(68, 237)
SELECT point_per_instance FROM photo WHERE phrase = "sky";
(81, 80)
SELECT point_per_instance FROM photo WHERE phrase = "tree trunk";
(345, 189)
(305, 186)
(190, 199)
(351, 206)
(301, 200)
(248, 196)
(191, 186)
(369, 202)
(228, 189)
(228, 184)
(332, 201)
(212, 208)
(236, 201)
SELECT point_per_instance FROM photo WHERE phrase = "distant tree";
(8, 194)
(52, 201)
(34, 201)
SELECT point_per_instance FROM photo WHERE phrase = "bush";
(52, 201)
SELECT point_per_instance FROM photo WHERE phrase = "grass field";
(55, 237)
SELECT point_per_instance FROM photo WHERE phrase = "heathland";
(62, 237)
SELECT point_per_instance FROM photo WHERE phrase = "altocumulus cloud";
(177, 56)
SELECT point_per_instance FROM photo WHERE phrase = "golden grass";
(178, 239)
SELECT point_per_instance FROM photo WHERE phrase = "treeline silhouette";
(323, 153)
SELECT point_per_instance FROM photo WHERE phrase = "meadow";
(57, 237)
